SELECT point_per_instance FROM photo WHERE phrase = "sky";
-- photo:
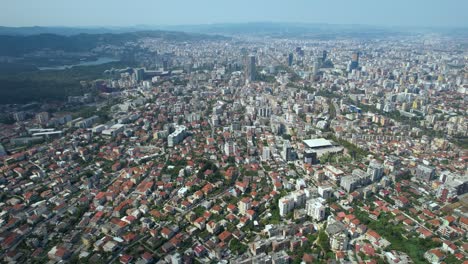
(123, 13)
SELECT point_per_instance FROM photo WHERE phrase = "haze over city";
(426, 13)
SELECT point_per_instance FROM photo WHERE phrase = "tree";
(231, 160)
(323, 241)
(236, 246)
(6, 119)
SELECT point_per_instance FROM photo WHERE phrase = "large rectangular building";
(316, 209)
(425, 173)
(177, 136)
(375, 169)
(88, 122)
(285, 205)
(113, 130)
(322, 146)
(357, 179)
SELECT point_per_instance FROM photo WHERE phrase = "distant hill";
(273, 29)
(15, 45)
(66, 31)
(312, 30)
(286, 29)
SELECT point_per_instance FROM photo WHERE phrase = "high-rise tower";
(250, 68)
(354, 63)
(290, 59)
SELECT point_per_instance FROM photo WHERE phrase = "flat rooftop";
(317, 143)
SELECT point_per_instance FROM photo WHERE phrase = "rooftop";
(317, 143)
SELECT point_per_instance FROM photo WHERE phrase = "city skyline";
(157, 13)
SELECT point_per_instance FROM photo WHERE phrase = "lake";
(84, 63)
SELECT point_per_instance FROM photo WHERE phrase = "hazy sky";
(177, 12)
